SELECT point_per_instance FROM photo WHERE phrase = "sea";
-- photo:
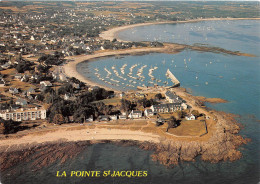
(216, 75)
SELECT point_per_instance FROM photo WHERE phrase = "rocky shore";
(211, 100)
(221, 146)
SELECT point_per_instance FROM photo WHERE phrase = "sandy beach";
(75, 134)
(112, 33)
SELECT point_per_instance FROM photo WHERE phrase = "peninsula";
(46, 104)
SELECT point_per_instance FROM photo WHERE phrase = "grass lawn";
(111, 101)
(189, 128)
(167, 115)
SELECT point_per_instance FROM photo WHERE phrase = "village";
(34, 88)
(31, 96)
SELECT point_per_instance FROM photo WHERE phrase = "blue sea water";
(234, 78)
(235, 35)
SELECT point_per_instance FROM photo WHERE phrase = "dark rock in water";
(42, 155)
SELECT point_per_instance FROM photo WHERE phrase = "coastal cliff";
(222, 146)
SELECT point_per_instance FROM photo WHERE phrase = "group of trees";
(76, 81)
(126, 105)
(77, 51)
(172, 123)
(23, 66)
(55, 59)
(144, 102)
(3, 61)
(43, 68)
(80, 108)
(10, 126)
(158, 96)
(66, 88)
(41, 77)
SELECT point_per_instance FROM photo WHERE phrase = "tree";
(172, 123)
(66, 88)
(23, 66)
(42, 58)
(158, 96)
(158, 123)
(42, 69)
(181, 114)
(144, 102)
(195, 113)
(9, 126)
(125, 105)
(40, 97)
(58, 119)
(104, 109)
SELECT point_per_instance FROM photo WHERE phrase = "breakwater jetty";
(175, 81)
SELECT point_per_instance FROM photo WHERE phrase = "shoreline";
(112, 33)
(70, 68)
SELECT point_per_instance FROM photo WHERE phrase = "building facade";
(23, 115)
(165, 108)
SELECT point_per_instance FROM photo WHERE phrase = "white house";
(90, 119)
(76, 86)
(6, 66)
(46, 83)
(2, 83)
(184, 106)
(113, 117)
(148, 112)
(135, 114)
(121, 95)
(190, 117)
(24, 78)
